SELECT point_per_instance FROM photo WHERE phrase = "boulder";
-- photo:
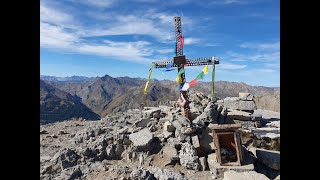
(152, 112)
(143, 122)
(169, 155)
(256, 117)
(168, 126)
(267, 157)
(245, 96)
(240, 115)
(246, 106)
(188, 157)
(206, 141)
(141, 139)
(247, 175)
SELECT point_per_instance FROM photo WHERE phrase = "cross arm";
(190, 62)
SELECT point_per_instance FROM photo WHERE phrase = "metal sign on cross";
(180, 61)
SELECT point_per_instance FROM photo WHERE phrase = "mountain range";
(103, 95)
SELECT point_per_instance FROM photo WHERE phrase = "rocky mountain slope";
(56, 105)
(154, 143)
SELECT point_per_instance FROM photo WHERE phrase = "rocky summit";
(158, 143)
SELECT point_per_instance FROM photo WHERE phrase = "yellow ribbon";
(145, 88)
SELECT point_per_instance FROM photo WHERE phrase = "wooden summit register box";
(226, 138)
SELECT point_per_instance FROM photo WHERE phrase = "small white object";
(185, 87)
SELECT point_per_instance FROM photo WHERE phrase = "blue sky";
(122, 37)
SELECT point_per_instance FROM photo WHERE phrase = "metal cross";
(180, 61)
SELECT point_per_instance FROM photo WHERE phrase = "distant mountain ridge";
(56, 105)
(78, 79)
(104, 95)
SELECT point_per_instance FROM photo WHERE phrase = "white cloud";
(230, 66)
(165, 51)
(190, 40)
(266, 70)
(53, 16)
(262, 46)
(96, 3)
(227, 2)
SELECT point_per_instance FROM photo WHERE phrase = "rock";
(245, 124)
(68, 158)
(174, 142)
(246, 106)
(211, 111)
(163, 120)
(141, 174)
(277, 178)
(170, 155)
(187, 130)
(248, 175)
(188, 157)
(237, 104)
(181, 137)
(152, 112)
(152, 128)
(206, 141)
(62, 132)
(165, 109)
(245, 96)
(141, 139)
(266, 132)
(268, 157)
(142, 122)
(141, 159)
(169, 127)
(43, 132)
(177, 125)
(46, 169)
(203, 163)
(239, 115)
(275, 124)
(256, 117)
(123, 130)
(54, 136)
(114, 151)
(211, 160)
(195, 141)
(183, 121)
(167, 134)
(71, 173)
(44, 159)
(166, 174)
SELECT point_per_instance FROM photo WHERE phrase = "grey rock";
(195, 141)
(206, 141)
(176, 124)
(167, 134)
(245, 124)
(71, 173)
(123, 130)
(256, 117)
(166, 174)
(247, 175)
(246, 106)
(239, 115)
(188, 157)
(174, 142)
(141, 139)
(203, 164)
(152, 112)
(269, 158)
(169, 155)
(141, 174)
(245, 96)
(142, 122)
(168, 126)
(68, 158)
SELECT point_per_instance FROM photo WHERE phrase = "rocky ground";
(156, 143)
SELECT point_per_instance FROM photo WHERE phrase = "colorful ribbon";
(145, 88)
